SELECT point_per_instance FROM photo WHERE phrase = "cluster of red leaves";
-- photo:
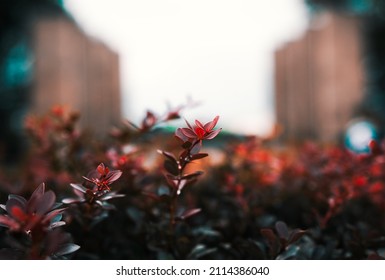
(149, 122)
(198, 132)
(261, 201)
(56, 147)
(26, 216)
(52, 127)
(98, 191)
(327, 190)
(336, 174)
(37, 220)
(191, 138)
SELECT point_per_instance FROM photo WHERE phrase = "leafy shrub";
(147, 198)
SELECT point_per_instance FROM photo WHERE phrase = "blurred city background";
(301, 70)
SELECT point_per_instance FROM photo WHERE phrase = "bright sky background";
(218, 52)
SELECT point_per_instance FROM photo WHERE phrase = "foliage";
(148, 198)
(32, 227)
(371, 7)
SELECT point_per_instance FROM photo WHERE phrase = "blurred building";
(76, 71)
(320, 79)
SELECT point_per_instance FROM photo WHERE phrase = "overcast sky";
(218, 52)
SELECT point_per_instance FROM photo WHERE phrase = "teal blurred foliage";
(353, 6)
(16, 68)
(372, 14)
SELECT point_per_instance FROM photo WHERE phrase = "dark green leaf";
(192, 175)
(171, 166)
(198, 156)
(168, 155)
(186, 145)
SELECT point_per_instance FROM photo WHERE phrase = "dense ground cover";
(191, 194)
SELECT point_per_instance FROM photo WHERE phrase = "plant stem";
(182, 163)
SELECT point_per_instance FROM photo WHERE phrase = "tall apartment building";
(76, 71)
(319, 79)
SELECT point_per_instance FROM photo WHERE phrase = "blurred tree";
(329, 4)
(16, 20)
(374, 59)
(356, 6)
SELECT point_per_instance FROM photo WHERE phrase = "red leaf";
(199, 124)
(12, 202)
(212, 134)
(149, 121)
(9, 222)
(21, 199)
(180, 135)
(18, 214)
(282, 230)
(188, 132)
(173, 115)
(45, 203)
(102, 170)
(376, 187)
(360, 181)
(188, 124)
(210, 125)
(35, 197)
(112, 176)
(374, 147)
